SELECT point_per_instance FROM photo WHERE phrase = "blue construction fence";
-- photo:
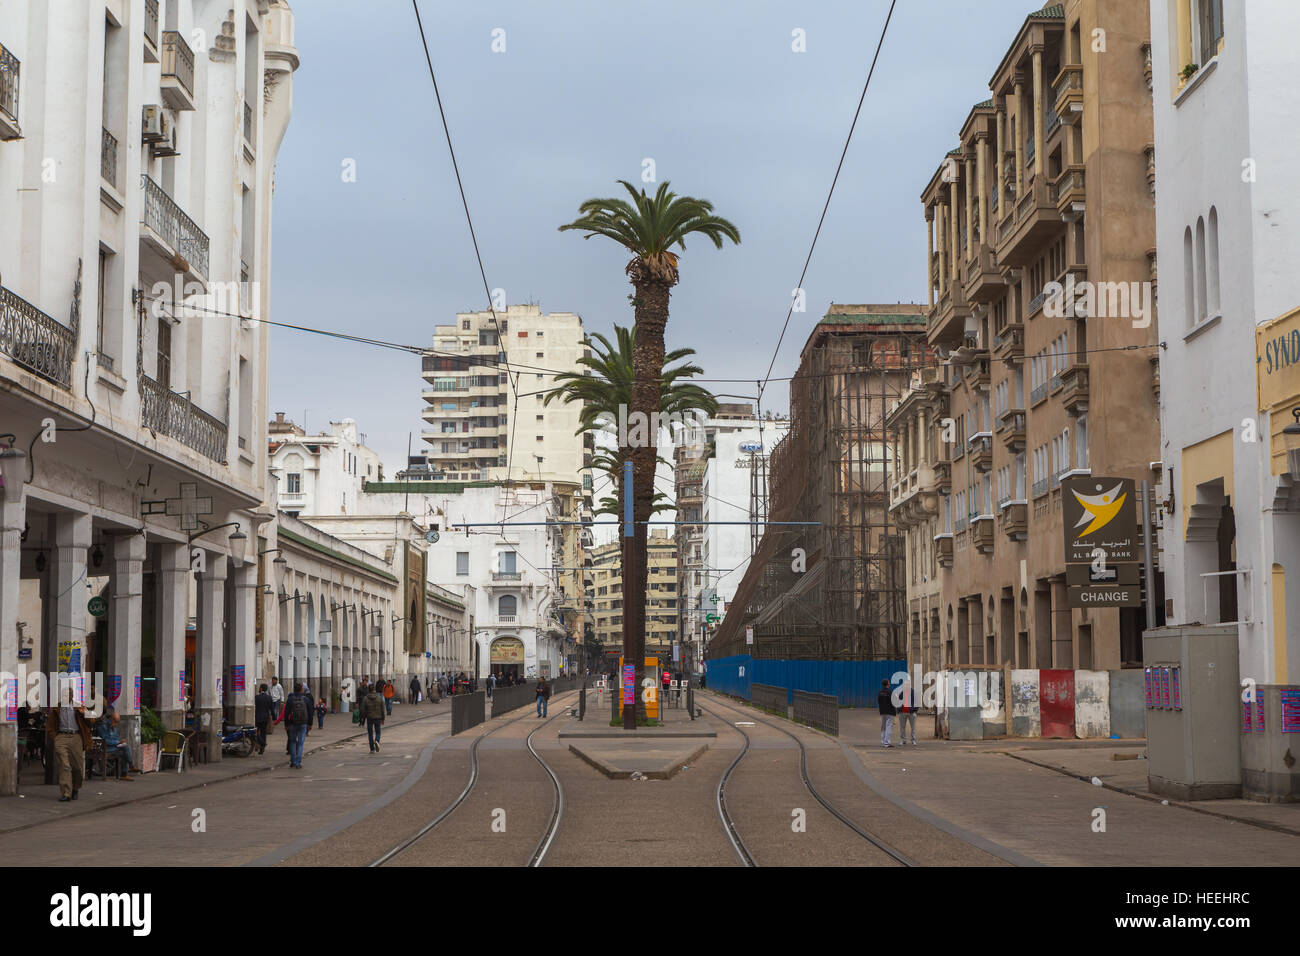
(853, 683)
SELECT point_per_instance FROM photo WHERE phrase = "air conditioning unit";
(166, 145)
(152, 130)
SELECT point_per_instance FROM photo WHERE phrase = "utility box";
(1193, 709)
(1270, 744)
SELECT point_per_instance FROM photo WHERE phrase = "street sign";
(1101, 542)
(97, 606)
(749, 635)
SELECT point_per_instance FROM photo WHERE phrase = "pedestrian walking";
(320, 714)
(298, 708)
(543, 695)
(277, 698)
(68, 730)
(389, 692)
(907, 714)
(415, 689)
(491, 685)
(885, 703)
(372, 711)
(263, 713)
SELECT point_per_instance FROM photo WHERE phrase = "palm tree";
(647, 227)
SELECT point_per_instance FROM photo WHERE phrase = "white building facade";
(137, 143)
(321, 474)
(1228, 237)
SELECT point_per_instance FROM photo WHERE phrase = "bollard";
(582, 704)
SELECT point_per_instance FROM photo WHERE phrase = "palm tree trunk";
(651, 313)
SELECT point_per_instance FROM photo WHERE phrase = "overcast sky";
(584, 91)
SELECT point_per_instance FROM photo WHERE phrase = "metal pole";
(1146, 555)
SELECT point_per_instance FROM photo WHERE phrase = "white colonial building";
(321, 474)
(137, 144)
(1228, 238)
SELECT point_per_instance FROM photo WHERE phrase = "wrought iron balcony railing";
(172, 414)
(35, 340)
(163, 216)
(10, 70)
(108, 158)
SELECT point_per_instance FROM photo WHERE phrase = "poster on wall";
(180, 688)
(1175, 688)
(1245, 717)
(1147, 676)
(1290, 710)
(237, 678)
(11, 699)
(113, 687)
(1259, 716)
(137, 693)
(1164, 688)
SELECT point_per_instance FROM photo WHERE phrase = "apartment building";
(135, 197)
(1229, 383)
(1051, 182)
(661, 595)
(474, 427)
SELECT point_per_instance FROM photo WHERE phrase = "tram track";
(728, 820)
(553, 821)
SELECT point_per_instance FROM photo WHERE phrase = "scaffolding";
(836, 590)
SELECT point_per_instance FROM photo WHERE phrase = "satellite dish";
(431, 537)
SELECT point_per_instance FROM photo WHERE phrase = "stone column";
(1038, 113)
(970, 209)
(207, 651)
(172, 614)
(1019, 144)
(929, 259)
(941, 225)
(982, 178)
(68, 588)
(125, 623)
(244, 643)
(13, 516)
(1062, 640)
(954, 260)
(1000, 164)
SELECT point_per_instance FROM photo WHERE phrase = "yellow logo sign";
(1101, 508)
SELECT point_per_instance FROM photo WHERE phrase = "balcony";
(976, 373)
(1040, 488)
(35, 340)
(10, 74)
(1074, 389)
(506, 619)
(1051, 123)
(1068, 88)
(163, 411)
(108, 158)
(1009, 344)
(151, 31)
(1036, 222)
(177, 71)
(1013, 520)
(172, 235)
(1038, 393)
(943, 476)
(984, 282)
(439, 391)
(981, 534)
(1070, 193)
(948, 319)
(981, 451)
(1011, 429)
(943, 550)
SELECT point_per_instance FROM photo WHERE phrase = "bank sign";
(1101, 542)
(1277, 364)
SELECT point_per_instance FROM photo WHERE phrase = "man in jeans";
(298, 708)
(907, 714)
(543, 694)
(373, 712)
(885, 702)
(277, 698)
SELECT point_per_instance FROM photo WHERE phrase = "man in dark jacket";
(543, 695)
(263, 714)
(885, 702)
(298, 710)
(373, 712)
(415, 689)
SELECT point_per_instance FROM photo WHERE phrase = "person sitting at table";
(106, 729)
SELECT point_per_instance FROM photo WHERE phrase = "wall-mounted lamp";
(40, 562)
(13, 463)
(96, 556)
(237, 541)
(341, 607)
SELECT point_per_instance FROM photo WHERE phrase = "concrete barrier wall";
(1091, 704)
(1024, 704)
(1128, 717)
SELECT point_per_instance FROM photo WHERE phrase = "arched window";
(1201, 314)
(506, 605)
(1212, 263)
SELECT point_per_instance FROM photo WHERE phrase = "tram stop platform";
(654, 753)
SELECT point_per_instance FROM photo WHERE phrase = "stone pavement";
(37, 803)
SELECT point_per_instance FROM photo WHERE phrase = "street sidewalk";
(35, 803)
